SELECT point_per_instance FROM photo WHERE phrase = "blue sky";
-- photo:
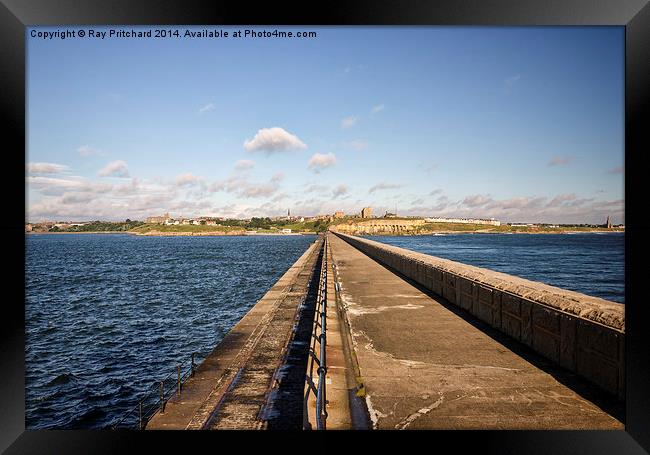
(520, 124)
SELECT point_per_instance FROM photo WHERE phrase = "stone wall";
(581, 333)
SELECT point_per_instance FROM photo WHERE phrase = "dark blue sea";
(107, 315)
(590, 263)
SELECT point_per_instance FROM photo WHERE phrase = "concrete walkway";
(428, 365)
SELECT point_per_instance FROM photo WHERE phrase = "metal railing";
(156, 397)
(319, 335)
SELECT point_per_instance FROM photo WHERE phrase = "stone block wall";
(584, 334)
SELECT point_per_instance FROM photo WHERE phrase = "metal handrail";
(156, 399)
(321, 360)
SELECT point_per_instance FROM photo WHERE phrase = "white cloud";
(50, 185)
(378, 108)
(384, 186)
(315, 188)
(340, 190)
(274, 140)
(321, 161)
(86, 150)
(115, 169)
(207, 108)
(187, 179)
(252, 190)
(348, 122)
(78, 198)
(476, 200)
(45, 168)
(129, 188)
(279, 197)
(560, 199)
(242, 187)
(240, 165)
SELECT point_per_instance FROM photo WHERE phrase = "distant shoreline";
(81, 232)
(176, 234)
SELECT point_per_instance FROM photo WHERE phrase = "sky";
(521, 124)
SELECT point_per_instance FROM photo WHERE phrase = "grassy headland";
(97, 226)
(161, 229)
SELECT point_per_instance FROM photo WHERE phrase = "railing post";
(179, 378)
(162, 397)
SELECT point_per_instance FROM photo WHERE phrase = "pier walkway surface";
(426, 364)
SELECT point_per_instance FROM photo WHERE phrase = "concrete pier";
(427, 363)
(412, 342)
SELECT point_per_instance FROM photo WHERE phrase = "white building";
(491, 221)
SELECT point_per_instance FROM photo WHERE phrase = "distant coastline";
(79, 232)
(174, 234)
(154, 233)
(354, 225)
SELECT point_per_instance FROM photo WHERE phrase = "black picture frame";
(634, 15)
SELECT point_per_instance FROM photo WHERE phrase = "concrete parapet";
(584, 334)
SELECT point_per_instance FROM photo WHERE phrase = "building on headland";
(491, 221)
(339, 214)
(608, 223)
(390, 215)
(366, 212)
(29, 227)
(158, 219)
